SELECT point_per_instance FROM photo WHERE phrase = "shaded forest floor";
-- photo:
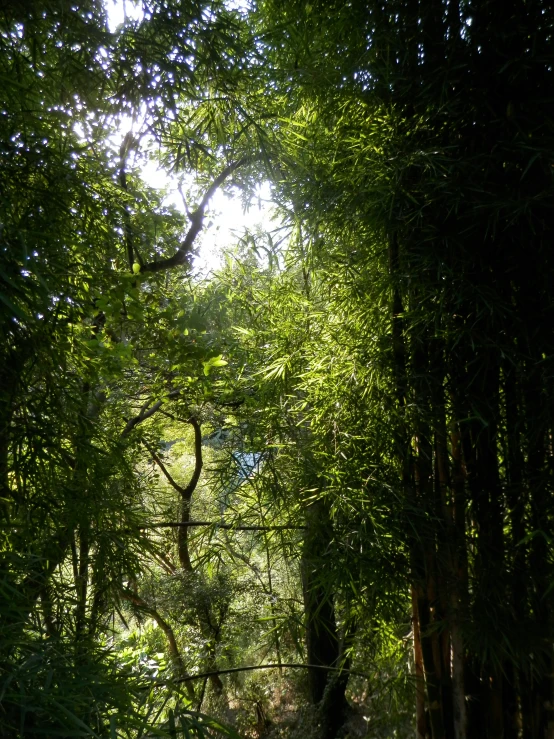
(284, 713)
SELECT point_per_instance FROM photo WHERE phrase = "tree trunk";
(421, 719)
(322, 641)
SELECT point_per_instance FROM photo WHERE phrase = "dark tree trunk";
(322, 639)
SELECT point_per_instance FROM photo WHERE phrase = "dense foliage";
(332, 461)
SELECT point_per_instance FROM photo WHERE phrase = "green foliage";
(85, 344)
(369, 383)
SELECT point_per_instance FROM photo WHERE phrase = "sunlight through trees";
(302, 487)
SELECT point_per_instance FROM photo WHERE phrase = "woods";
(311, 493)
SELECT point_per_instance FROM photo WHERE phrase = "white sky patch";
(120, 11)
(226, 219)
(229, 222)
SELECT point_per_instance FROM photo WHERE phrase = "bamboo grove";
(439, 131)
(380, 364)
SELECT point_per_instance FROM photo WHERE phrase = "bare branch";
(249, 668)
(197, 221)
(186, 495)
(164, 470)
(147, 411)
(230, 526)
(166, 563)
(176, 657)
(183, 198)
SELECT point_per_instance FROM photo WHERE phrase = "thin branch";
(147, 411)
(186, 496)
(126, 146)
(164, 470)
(250, 668)
(196, 218)
(166, 563)
(216, 524)
(183, 198)
(121, 616)
(174, 651)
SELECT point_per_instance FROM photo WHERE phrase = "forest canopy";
(310, 494)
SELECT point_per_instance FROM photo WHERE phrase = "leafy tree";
(386, 362)
(80, 370)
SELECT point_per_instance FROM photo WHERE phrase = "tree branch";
(164, 470)
(249, 668)
(165, 562)
(146, 412)
(176, 657)
(177, 524)
(197, 221)
(186, 495)
(126, 146)
(190, 488)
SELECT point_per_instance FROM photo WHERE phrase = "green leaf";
(14, 308)
(75, 719)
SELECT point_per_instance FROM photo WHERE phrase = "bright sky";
(117, 10)
(226, 219)
(226, 215)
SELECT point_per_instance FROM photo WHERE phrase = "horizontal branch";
(179, 524)
(250, 668)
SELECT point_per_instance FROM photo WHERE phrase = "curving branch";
(196, 218)
(185, 493)
(249, 668)
(174, 652)
(218, 525)
(186, 496)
